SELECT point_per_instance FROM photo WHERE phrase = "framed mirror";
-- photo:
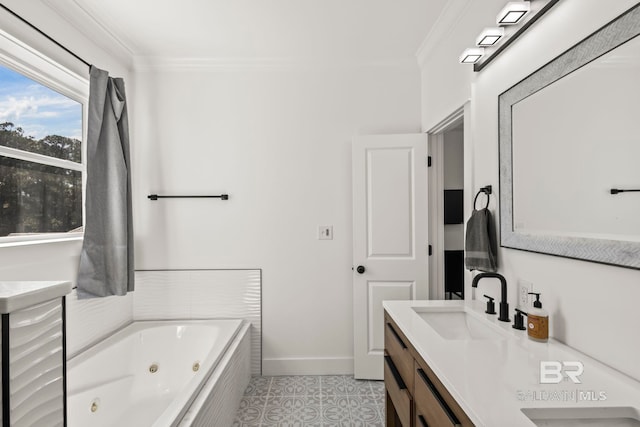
(569, 135)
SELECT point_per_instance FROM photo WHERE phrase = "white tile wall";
(201, 294)
(91, 320)
(170, 294)
(220, 397)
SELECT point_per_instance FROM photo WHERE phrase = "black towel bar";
(156, 197)
(617, 190)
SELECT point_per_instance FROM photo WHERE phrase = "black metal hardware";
(51, 39)
(64, 358)
(360, 269)
(423, 422)
(395, 334)
(478, 66)
(430, 250)
(487, 190)
(6, 373)
(156, 197)
(395, 373)
(491, 307)
(617, 190)
(504, 312)
(436, 394)
(504, 305)
(536, 303)
(429, 161)
(518, 320)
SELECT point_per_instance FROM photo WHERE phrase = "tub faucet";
(504, 306)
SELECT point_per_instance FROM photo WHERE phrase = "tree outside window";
(40, 158)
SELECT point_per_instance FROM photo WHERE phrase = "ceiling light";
(490, 36)
(471, 56)
(512, 13)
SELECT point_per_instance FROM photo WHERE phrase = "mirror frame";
(612, 252)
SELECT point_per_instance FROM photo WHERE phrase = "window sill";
(40, 239)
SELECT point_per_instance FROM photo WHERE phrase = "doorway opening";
(448, 206)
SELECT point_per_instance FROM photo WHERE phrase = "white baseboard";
(308, 366)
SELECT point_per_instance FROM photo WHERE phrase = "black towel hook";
(484, 190)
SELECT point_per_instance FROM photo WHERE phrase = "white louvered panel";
(35, 355)
(202, 294)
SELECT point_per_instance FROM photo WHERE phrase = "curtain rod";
(45, 35)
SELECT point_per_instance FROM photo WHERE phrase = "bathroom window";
(41, 159)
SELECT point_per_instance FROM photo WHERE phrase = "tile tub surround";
(203, 294)
(311, 401)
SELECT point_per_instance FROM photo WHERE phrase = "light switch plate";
(325, 232)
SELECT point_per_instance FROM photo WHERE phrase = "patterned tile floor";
(311, 401)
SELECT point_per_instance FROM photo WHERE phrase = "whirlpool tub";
(160, 374)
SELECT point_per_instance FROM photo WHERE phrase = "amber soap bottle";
(538, 321)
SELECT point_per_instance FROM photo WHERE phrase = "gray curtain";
(106, 261)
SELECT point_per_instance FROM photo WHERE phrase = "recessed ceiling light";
(512, 13)
(489, 36)
(471, 56)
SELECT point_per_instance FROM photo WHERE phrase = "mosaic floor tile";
(258, 386)
(276, 414)
(311, 401)
(307, 415)
(250, 410)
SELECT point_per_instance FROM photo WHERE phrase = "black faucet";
(504, 306)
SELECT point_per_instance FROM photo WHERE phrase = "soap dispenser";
(537, 321)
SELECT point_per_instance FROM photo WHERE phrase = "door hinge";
(430, 250)
(428, 161)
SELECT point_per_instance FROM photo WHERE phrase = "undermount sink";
(458, 325)
(574, 417)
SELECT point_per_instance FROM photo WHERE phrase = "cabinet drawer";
(430, 404)
(396, 346)
(397, 391)
(421, 421)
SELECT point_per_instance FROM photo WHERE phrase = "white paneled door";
(389, 236)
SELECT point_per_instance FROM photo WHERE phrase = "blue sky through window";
(38, 110)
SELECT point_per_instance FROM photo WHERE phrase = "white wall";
(59, 261)
(277, 139)
(592, 307)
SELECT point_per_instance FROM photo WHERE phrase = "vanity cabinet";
(33, 354)
(415, 397)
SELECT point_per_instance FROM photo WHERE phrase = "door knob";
(360, 269)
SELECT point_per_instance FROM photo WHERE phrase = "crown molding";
(149, 64)
(444, 25)
(86, 23)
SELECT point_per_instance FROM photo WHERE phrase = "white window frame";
(31, 63)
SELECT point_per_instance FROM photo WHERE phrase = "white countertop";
(493, 380)
(18, 295)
